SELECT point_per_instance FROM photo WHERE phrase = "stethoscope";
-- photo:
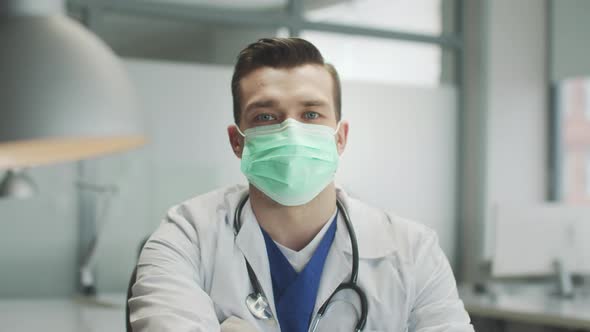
(258, 304)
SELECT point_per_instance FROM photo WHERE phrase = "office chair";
(132, 280)
(129, 293)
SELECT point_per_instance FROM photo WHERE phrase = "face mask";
(290, 162)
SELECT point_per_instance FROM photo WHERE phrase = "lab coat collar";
(371, 226)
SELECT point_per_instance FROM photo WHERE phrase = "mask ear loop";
(335, 131)
(239, 131)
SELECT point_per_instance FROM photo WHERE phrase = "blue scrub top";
(295, 293)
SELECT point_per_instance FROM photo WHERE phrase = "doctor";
(291, 252)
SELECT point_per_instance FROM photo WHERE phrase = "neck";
(293, 226)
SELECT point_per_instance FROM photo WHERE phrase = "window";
(360, 58)
(418, 16)
(230, 4)
(573, 141)
(419, 33)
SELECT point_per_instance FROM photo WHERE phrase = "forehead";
(309, 80)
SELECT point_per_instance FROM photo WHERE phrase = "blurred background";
(470, 116)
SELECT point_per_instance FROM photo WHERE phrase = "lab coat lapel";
(251, 242)
(338, 265)
(373, 242)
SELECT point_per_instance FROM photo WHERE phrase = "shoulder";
(385, 233)
(414, 240)
(208, 209)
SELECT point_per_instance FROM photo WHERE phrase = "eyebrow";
(265, 103)
(271, 103)
(313, 102)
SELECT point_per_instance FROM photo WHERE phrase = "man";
(269, 256)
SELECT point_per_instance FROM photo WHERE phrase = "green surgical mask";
(290, 162)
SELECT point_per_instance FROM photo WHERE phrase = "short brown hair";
(279, 53)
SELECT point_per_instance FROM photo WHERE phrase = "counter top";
(529, 304)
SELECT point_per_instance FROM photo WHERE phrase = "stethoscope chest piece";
(258, 306)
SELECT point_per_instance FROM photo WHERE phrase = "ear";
(342, 137)
(236, 140)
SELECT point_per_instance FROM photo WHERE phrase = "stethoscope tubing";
(351, 284)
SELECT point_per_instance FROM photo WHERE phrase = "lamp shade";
(64, 95)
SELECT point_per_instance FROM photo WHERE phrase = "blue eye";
(311, 115)
(265, 117)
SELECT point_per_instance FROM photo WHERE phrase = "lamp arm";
(87, 282)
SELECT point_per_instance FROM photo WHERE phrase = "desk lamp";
(64, 95)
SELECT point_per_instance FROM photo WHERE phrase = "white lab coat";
(192, 274)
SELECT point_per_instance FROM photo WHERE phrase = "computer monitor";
(529, 239)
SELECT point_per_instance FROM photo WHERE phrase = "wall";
(401, 152)
(402, 137)
(37, 251)
(517, 105)
(504, 147)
